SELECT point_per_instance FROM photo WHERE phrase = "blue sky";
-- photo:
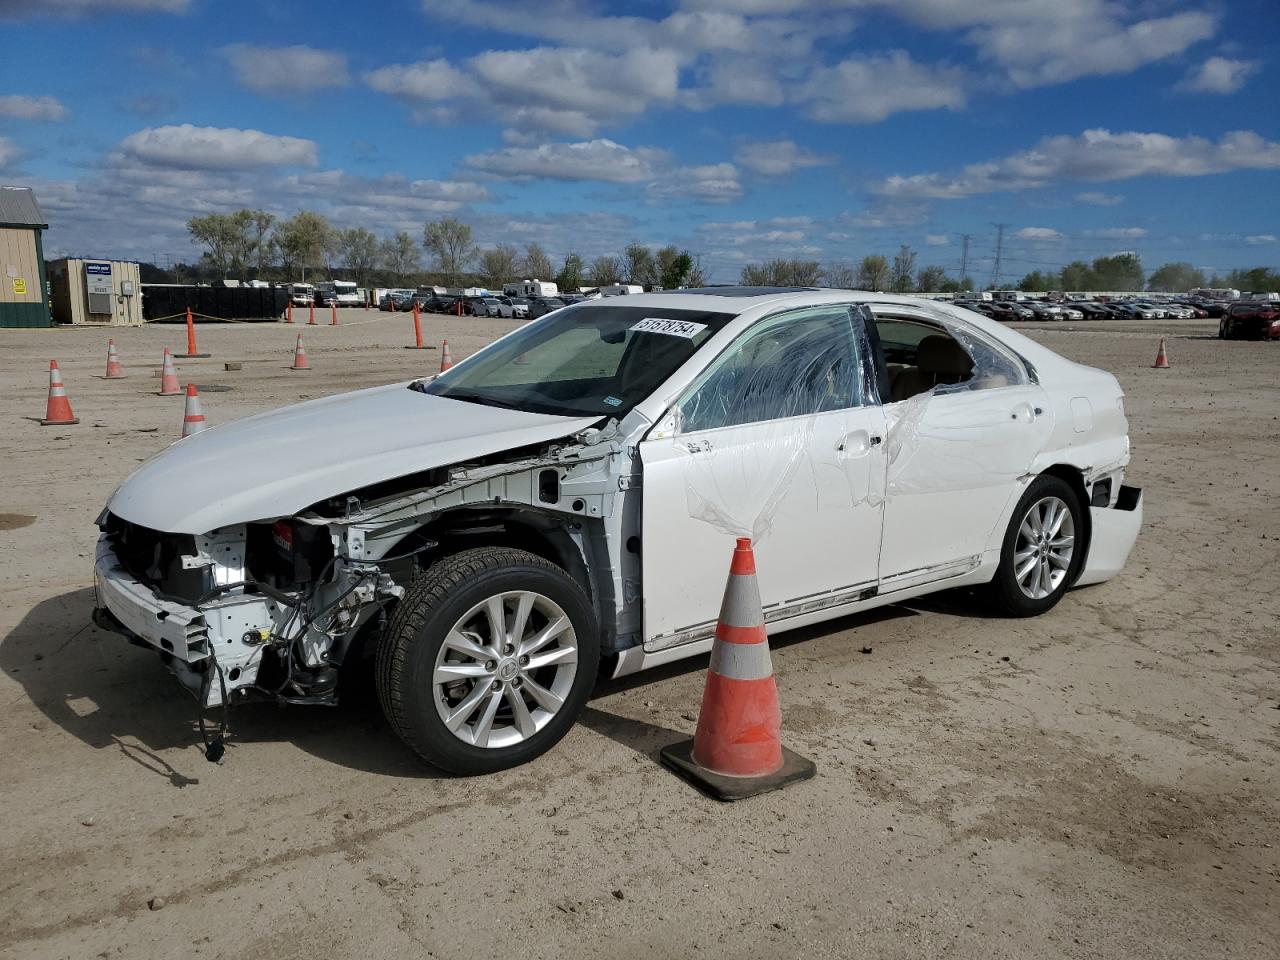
(740, 129)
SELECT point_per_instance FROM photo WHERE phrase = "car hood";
(278, 463)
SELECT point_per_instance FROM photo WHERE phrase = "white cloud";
(774, 158)
(216, 148)
(1095, 198)
(602, 160)
(1038, 233)
(10, 153)
(1097, 155)
(287, 70)
(31, 108)
(936, 240)
(565, 90)
(1259, 239)
(1219, 75)
(868, 89)
(1119, 233)
(710, 183)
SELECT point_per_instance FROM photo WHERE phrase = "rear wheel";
(1041, 553)
(488, 660)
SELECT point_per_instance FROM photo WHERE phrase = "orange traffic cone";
(446, 358)
(1162, 357)
(300, 356)
(417, 330)
(192, 349)
(58, 411)
(288, 313)
(114, 369)
(334, 321)
(737, 751)
(169, 377)
(192, 416)
(311, 315)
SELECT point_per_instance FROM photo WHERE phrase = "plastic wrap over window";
(748, 425)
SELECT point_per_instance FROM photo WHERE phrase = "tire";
(439, 655)
(1041, 589)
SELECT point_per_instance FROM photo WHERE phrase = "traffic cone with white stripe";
(169, 378)
(446, 358)
(300, 356)
(57, 413)
(192, 416)
(1162, 357)
(737, 750)
(115, 370)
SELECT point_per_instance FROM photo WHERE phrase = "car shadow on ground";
(110, 694)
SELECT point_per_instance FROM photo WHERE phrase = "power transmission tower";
(964, 255)
(995, 268)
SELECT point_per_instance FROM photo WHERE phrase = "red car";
(1252, 320)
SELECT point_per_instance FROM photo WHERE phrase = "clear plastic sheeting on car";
(765, 423)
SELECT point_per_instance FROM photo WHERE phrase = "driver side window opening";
(795, 364)
(921, 356)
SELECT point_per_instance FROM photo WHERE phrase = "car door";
(780, 437)
(955, 455)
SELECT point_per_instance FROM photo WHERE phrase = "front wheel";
(488, 660)
(1041, 553)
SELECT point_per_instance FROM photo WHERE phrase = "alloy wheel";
(1044, 548)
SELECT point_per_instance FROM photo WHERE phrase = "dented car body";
(568, 495)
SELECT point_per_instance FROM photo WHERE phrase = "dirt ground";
(1099, 782)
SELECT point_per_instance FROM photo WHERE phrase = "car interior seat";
(939, 360)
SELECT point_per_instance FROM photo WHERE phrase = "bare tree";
(638, 265)
(498, 265)
(360, 253)
(782, 273)
(931, 279)
(873, 273)
(400, 255)
(604, 271)
(904, 265)
(301, 241)
(449, 243)
(839, 275)
(697, 273)
(537, 265)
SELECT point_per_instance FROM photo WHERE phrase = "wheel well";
(1075, 479)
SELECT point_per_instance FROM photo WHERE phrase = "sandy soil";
(1099, 782)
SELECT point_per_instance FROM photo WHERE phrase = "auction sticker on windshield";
(672, 328)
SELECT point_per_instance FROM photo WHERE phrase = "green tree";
(400, 256)
(1077, 275)
(302, 241)
(226, 239)
(638, 265)
(449, 242)
(930, 279)
(537, 265)
(360, 252)
(1254, 280)
(1120, 272)
(1037, 282)
(673, 266)
(873, 273)
(604, 271)
(262, 247)
(1175, 278)
(570, 276)
(904, 265)
(497, 266)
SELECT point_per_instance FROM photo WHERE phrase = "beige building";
(22, 287)
(96, 292)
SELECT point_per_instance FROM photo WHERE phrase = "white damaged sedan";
(568, 496)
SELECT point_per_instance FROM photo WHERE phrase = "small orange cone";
(334, 322)
(300, 356)
(114, 369)
(1162, 357)
(192, 415)
(58, 411)
(446, 358)
(417, 330)
(737, 751)
(192, 349)
(311, 315)
(169, 377)
(288, 313)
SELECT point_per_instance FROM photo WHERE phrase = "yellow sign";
(19, 287)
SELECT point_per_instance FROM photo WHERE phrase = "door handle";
(875, 441)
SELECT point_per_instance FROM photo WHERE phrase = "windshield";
(582, 361)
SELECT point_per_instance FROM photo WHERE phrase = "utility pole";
(995, 268)
(964, 255)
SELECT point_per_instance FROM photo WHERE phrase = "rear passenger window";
(922, 356)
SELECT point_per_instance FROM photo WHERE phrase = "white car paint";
(893, 501)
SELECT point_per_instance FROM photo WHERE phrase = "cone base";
(678, 757)
(299, 368)
(425, 346)
(59, 423)
(175, 393)
(113, 376)
(190, 356)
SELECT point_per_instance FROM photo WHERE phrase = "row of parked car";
(494, 305)
(1240, 319)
